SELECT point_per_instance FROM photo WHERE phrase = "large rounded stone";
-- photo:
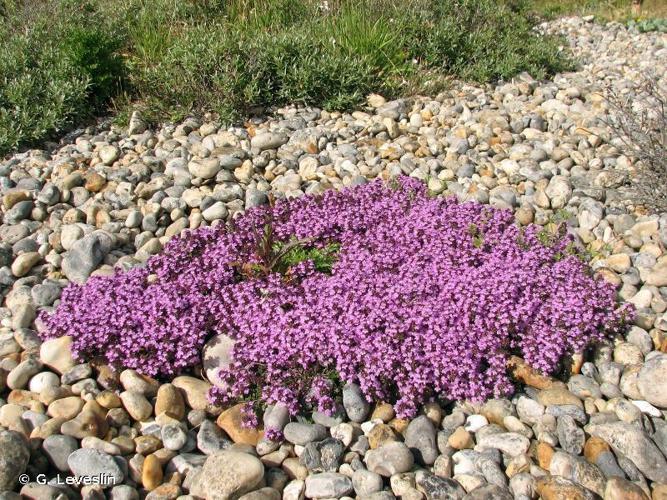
(96, 466)
(216, 356)
(652, 381)
(355, 403)
(636, 445)
(226, 475)
(14, 456)
(328, 485)
(420, 438)
(56, 354)
(392, 458)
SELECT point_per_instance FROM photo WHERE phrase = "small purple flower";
(428, 298)
(273, 434)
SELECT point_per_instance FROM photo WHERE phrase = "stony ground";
(111, 198)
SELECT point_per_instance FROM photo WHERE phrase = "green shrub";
(478, 40)
(233, 73)
(59, 65)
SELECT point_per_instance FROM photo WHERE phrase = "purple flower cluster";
(428, 297)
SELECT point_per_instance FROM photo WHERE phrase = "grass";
(61, 60)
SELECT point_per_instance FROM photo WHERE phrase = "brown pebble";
(594, 447)
(381, 434)
(384, 412)
(151, 473)
(170, 401)
(544, 455)
(230, 421)
(146, 445)
(399, 425)
(460, 439)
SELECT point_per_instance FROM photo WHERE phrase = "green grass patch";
(61, 60)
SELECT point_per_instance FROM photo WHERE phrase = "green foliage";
(646, 25)
(64, 59)
(478, 40)
(59, 65)
(323, 258)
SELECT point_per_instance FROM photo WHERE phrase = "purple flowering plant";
(409, 296)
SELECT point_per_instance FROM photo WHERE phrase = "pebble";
(420, 438)
(65, 408)
(268, 140)
(210, 439)
(109, 154)
(170, 401)
(195, 391)
(97, 465)
(14, 456)
(510, 443)
(635, 444)
(302, 434)
(475, 423)
(19, 376)
(618, 488)
(231, 422)
(151, 472)
(173, 437)
(83, 258)
(570, 436)
(356, 406)
(24, 263)
(328, 485)
(438, 487)
(392, 458)
(652, 381)
(136, 405)
(58, 448)
(228, 474)
(55, 354)
(366, 482)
